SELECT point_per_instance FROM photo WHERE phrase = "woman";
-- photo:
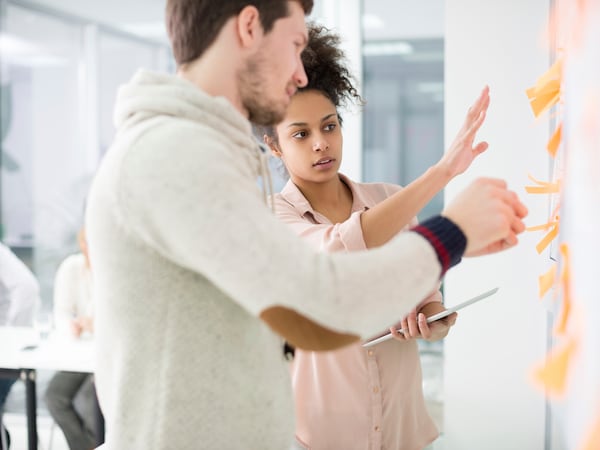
(73, 315)
(357, 398)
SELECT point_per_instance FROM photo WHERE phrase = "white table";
(22, 352)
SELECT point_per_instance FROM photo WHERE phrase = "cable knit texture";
(187, 257)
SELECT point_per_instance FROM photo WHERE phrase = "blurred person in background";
(71, 396)
(19, 298)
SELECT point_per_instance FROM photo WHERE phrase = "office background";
(420, 64)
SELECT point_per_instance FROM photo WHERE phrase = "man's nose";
(300, 77)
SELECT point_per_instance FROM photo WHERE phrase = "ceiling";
(403, 19)
(141, 17)
(382, 19)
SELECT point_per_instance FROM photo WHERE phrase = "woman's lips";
(324, 163)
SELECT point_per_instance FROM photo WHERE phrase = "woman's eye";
(330, 126)
(299, 134)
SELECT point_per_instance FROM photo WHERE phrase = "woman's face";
(310, 139)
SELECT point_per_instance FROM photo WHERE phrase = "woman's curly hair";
(325, 66)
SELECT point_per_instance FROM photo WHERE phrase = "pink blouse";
(355, 398)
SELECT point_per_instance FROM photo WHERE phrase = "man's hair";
(193, 25)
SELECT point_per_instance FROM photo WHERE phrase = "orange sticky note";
(555, 140)
(563, 318)
(546, 281)
(551, 188)
(543, 187)
(544, 226)
(543, 102)
(541, 246)
(553, 73)
(592, 440)
(552, 374)
(546, 92)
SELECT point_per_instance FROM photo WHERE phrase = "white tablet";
(439, 315)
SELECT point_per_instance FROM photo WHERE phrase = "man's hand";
(489, 215)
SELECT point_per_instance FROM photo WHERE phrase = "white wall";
(489, 401)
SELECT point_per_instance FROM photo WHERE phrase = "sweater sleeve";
(345, 236)
(201, 208)
(436, 296)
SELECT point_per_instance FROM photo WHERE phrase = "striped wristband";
(447, 239)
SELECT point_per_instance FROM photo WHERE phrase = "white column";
(490, 402)
(344, 17)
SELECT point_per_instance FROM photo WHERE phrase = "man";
(19, 296)
(193, 271)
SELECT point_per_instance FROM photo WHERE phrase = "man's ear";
(249, 27)
(274, 148)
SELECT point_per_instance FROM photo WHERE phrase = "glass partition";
(403, 120)
(58, 79)
(404, 114)
(42, 143)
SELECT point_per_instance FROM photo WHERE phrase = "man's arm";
(205, 213)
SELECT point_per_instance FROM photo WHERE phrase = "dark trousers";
(5, 386)
(71, 400)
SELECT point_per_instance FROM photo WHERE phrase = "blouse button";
(370, 352)
(376, 389)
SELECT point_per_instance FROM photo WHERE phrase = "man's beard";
(254, 94)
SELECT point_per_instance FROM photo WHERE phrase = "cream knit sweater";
(187, 258)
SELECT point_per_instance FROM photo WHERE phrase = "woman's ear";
(274, 148)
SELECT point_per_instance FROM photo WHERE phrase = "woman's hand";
(79, 325)
(415, 325)
(76, 329)
(463, 151)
